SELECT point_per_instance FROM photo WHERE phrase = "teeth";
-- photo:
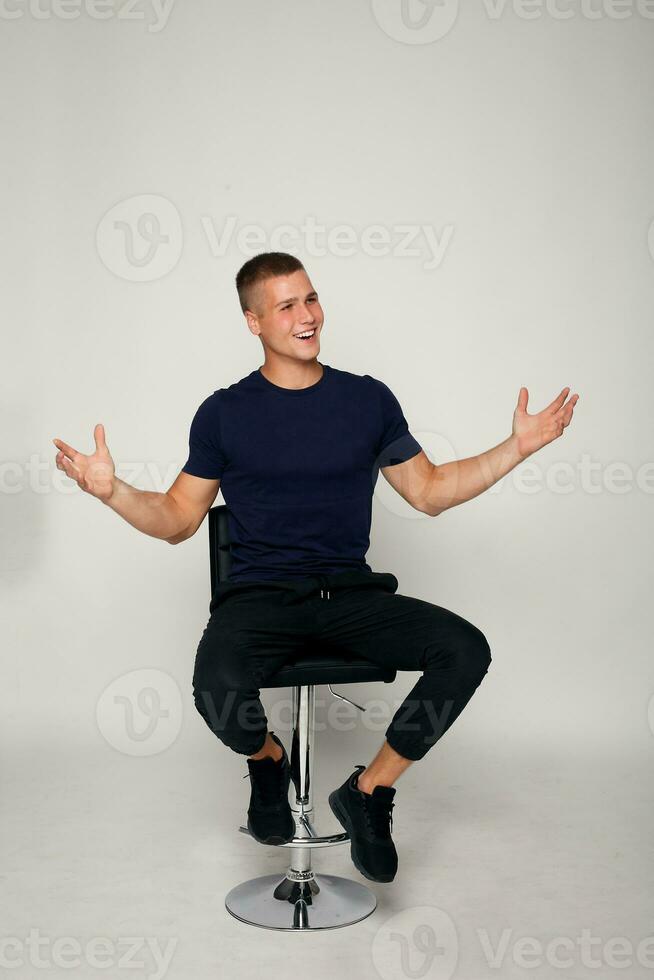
(309, 333)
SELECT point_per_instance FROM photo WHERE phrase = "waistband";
(323, 585)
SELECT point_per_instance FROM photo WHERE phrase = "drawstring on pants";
(323, 581)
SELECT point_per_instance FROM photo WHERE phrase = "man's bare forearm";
(462, 479)
(154, 513)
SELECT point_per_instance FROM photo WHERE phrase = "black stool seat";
(322, 665)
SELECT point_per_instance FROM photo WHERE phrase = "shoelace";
(267, 790)
(379, 816)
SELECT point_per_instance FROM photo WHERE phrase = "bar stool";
(300, 899)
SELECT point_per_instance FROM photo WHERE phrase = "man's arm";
(453, 483)
(148, 511)
(172, 516)
(432, 488)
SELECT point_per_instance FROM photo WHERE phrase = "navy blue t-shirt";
(298, 468)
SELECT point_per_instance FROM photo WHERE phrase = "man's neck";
(293, 375)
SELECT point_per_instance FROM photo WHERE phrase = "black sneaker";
(270, 819)
(368, 820)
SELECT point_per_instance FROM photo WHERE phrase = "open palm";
(532, 432)
(95, 473)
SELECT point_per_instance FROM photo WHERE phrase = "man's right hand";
(93, 474)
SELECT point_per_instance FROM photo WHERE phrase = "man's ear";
(252, 322)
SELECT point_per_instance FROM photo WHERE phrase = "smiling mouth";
(306, 335)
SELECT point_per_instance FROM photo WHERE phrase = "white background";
(529, 138)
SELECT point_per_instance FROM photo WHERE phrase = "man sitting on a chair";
(296, 447)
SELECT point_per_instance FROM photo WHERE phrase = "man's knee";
(477, 655)
(213, 704)
(239, 723)
(466, 659)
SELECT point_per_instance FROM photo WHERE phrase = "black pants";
(255, 626)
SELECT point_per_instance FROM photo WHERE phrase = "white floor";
(494, 848)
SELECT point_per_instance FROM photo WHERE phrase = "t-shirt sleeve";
(396, 444)
(206, 457)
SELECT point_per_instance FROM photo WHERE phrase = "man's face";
(283, 308)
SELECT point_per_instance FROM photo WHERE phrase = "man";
(297, 446)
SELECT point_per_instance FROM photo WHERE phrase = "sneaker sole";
(343, 817)
(272, 840)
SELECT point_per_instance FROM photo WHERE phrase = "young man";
(296, 447)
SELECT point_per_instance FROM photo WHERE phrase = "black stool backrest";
(220, 556)
(317, 665)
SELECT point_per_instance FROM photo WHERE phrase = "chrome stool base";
(319, 901)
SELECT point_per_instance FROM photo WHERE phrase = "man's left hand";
(532, 432)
